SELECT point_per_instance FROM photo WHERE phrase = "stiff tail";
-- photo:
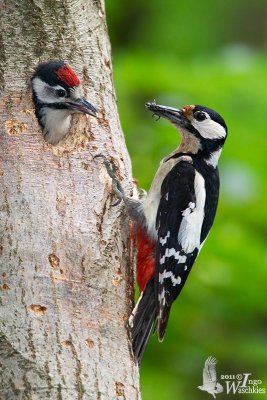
(162, 322)
(142, 320)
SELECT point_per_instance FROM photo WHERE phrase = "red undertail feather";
(145, 259)
(144, 313)
(68, 76)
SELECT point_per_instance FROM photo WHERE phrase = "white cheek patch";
(44, 92)
(209, 129)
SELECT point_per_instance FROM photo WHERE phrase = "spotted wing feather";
(178, 236)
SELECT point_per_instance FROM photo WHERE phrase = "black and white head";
(57, 93)
(203, 130)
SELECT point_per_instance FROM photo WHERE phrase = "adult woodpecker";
(57, 94)
(175, 217)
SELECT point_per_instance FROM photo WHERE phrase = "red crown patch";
(68, 76)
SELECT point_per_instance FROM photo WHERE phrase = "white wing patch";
(189, 209)
(169, 274)
(191, 225)
(172, 252)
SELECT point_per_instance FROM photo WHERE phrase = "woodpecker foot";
(111, 170)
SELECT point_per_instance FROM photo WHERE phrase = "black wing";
(178, 229)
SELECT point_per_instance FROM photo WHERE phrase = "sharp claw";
(100, 156)
(117, 203)
(157, 117)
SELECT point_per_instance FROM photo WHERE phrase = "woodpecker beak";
(174, 115)
(83, 106)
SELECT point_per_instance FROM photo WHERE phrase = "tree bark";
(66, 276)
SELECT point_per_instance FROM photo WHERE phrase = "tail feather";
(162, 322)
(142, 320)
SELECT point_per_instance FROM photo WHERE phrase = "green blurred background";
(212, 53)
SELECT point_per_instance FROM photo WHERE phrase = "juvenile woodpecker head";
(57, 93)
(203, 130)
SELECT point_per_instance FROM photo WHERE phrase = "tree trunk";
(66, 278)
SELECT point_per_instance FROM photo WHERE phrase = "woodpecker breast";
(151, 202)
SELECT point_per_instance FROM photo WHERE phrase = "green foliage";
(180, 53)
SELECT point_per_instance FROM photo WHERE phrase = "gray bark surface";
(66, 281)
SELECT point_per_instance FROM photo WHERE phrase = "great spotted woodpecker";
(175, 217)
(57, 93)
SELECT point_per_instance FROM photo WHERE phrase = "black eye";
(200, 116)
(61, 92)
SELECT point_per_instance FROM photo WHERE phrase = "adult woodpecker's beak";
(174, 115)
(83, 106)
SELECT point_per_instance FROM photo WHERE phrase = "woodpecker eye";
(200, 116)
(61, 92)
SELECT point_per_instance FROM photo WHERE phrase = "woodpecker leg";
(134, 207)
(116, 185)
